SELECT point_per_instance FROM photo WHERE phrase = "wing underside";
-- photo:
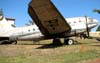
(47, 17)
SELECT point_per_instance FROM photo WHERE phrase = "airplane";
(50, 24)
(11, 34)
(53, 25)
(77, 24)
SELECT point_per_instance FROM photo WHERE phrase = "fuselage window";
(33, 29)
(29, 30)
(74, 21)
(79, 21)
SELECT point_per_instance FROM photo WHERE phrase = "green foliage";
(98, 29)
(30, 23)
(97, 10)
(63, 58)
(1, 12)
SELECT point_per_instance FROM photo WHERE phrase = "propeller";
(87, 28)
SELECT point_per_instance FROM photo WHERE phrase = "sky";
(18, 9)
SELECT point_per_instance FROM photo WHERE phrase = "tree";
(97, 10)
(98, 29)
(1, 12)
(30, 23)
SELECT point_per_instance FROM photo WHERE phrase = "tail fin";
(7, 22)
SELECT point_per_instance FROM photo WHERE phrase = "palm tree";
(97, 10)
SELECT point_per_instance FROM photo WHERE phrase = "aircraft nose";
(93, 23)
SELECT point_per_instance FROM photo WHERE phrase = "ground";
(83, 51)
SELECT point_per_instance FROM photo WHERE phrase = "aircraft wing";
(47, 17)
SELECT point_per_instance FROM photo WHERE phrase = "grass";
(63, 58)
(63, 54)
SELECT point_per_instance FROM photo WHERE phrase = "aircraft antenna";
(87, 28)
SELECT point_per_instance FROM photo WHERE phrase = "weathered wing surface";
(47, 17)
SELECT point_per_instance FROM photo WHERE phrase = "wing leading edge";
(47, 17)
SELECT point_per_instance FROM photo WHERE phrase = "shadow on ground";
(47, 46)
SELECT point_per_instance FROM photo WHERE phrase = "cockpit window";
(91, 19)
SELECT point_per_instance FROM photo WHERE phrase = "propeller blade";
(87, 28)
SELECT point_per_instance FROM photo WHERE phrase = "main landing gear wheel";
(57, 41)
(68, 41)
(14, 42)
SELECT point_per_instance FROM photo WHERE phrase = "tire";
(68, 41)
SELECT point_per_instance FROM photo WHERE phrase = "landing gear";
(8, 42)
(14, 42)
(56, 41)
(68, 41)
